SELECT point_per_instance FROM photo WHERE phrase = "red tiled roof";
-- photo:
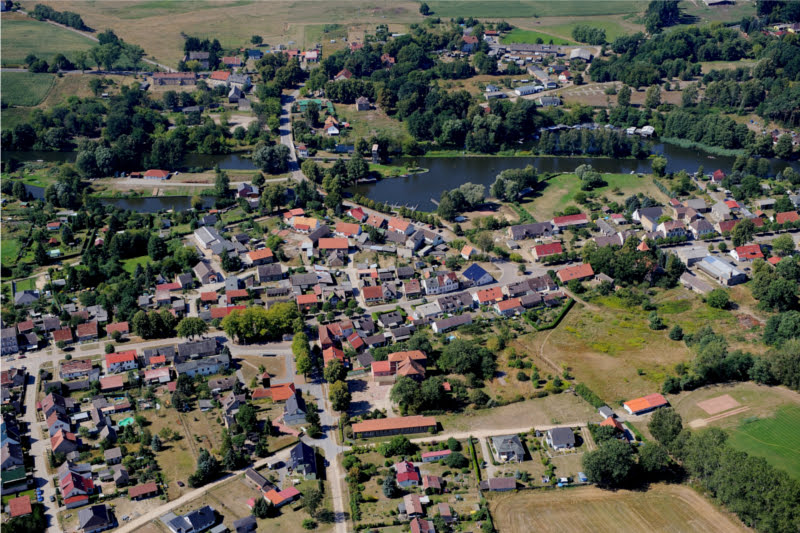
(141, 490)
(329, 354)
(372, 293)
(333, 243)
(493, 294)
(222, 312)
(210, 296)
(306, 299)
(788, 216)
(257, 255)
(19, 506)
(237, 293)
(155, 173)
(346, 228)
(155, 373)
(121, 357)
(174, 286)
(75, 499)
(111, 382)
(220, 75)
(570, 219)
(613, 422)
(437, 453)
(749, 251)
(543, 250)
(260, 393)
(122, 327)
(395, 423)
(650, 401)
(505, 305)
(282, 392)
(278, 498)
(774, 260)
(581, 271)
(90, 328)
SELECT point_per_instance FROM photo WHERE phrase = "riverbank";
(714, 150)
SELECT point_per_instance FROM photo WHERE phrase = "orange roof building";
(579, 272)
(19, 506)
(282, 392)
(394, 426)
(645, 404)
(489, 296)
(613, 422)
(333, 243)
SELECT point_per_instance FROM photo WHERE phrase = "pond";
(446, 173)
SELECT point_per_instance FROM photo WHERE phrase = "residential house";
(86, 332)
(446, 324)
(303, 460)
(113, 456)
(143, 491)
(121, 362)
(672, 228)
(560, 438)
(508, 448)
(469, 43)
(544, 250)
(580, 272)
(489, 296)
(747, 252)
(512, 306)
(498, 484)
(97, 517)
(421, 525)
(76, 368)
(407, 475)
(205, 273)
(294, 411)
(437, 455)
(282, 497)
(195, 521)
(700, 228)
(440, 283)
(648, 217)
(399, 225)
(476, 275)
(64, 442)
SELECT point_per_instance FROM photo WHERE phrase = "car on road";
(52, 498)
(180, 484)
(126, 518)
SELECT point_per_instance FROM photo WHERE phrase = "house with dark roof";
(560, 438)
(294, 411)
(96, 518)
(302, 459)
(195, 521)
(498, 484)
(508, 448)
(476, 275)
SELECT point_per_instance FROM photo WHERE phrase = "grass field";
(519, 36)
(8, 251)
(613, 28)
(26, 88)
(561, 190)
(776, 439)
(129, 265)
(661, 509)
(23, 35)
(506, 9)
(732, 12)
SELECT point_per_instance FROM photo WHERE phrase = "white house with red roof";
(121, 362)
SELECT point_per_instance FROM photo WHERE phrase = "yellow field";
(663, 508)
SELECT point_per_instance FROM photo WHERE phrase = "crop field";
(776, 439)
(519, 36)
(560, 192)
(23, 35)
(26, 88)
(498, 9)
(157, 25)
(661, 509)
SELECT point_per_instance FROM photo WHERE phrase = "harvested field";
(532, 8)
(663, 508)
(718, 404)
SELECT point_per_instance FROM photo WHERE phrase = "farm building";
(645, 404)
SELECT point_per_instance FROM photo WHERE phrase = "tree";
(624, 96)
(659, 166)
(424, 10)
(222, 184)
(334, 371)
(246, 417)
(390, 489)
(190, 327)
(718, 299)
(156, 248)
(312, 419)
(652, 98)
(665, 425)
(783, 148)
(654, 458)
(485, 241)
(453, 445)
(339, 395)
(312, 499)
(66, 234)
(208, 469)
(456, 460)
(610, 464)
(655, 321)
(676, 333)
(263, 508)
(272, 159)
(155, 443)
(256, 39)
(783, 245)
(742, 232)
(39, 254)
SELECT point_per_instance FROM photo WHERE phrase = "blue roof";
(474, 272)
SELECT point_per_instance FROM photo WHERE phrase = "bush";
(522, 376)
(676, 333)
(109, 348)
(718, 299)
(309, 524)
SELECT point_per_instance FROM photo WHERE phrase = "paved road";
(285, 131)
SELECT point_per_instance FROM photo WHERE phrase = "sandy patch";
(718, 404)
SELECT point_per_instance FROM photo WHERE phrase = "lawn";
(519, 36)
(613, 28)
(129, 265)
(22, 36)
(26, 284)
(661, 509)
(560, 191)
(8, 251)
(776, 439)
(25, 88)
(365, 124)
(499, 9)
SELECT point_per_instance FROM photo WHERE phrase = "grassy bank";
(715, 150)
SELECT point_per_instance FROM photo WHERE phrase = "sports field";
(519, 36)
(661, 509)
(22, 35)
(25, 88)
(776, 439)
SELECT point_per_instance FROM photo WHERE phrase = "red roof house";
(544, 250)
(20, 506)
(747, 252)
(788, 216)
(579, 272)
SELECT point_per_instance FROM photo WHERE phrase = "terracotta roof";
(220, 75)
(395, 423)
(333, 243)
(306, 299)
(155, 373)
(774, 260)
(414, 355)
(612, 422)
(64, 334)
(581, 271)
(494, 294)
(121, 357)
(371, 293)
(643, 247)
(140, 490)
(234, 294)
(788, 216)
(437, 453)
(650, 401)
(749, 251)
(329, 354)
(209, 296)
(112, 382)
(544, 250)
(257, 255)
(222, 312)
(173, 286)
(19, 506)
(381, 367)
(398, 224)
(278, 498)
(570, 219)
(122, 327)
(505, 305)
(90, 328)
(260, 393)
(155, 173)
(282, 392)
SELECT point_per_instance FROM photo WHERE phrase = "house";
(432, 484)
(113, 456)
(498, 484)
(421, 525)
(581, 53)
(200, 57)
(26, 297)
(9, 340)
(560, 438)
(281, 498)
(508, 448)
(342, 75)
(345, 229)
(723, 272)
(579, 272)
(430, 457)
(141, 492)
(648, 217)
(748, 252)
(256, 480)
(194, 521)
(96, 518)
(512, 306)
(20, 506)
(156, 174)
(700, 228)
(303, 460)
(394, 426)
(307, 302)
(570, 221)
(245, 525)
(121, 327)
(787, 217)
(222, 384)
(86, 332)
(672, 228)
(282, 392)
(489, 296)
(645, 404)
(446, 324)
(469, 43)
(63, 442)
(476, 275)
(446, 512)
(174, 78)
(199, 348)
(717, 176)
(407, 475)
(334, 243)
(565, 77)
(401, 226)
(294, 411)
(544, 250)
(205, 273)
(11, 456)
(121, 362)
(441, 283)
(362, 103)
(76, 368)
(549, 101)
(112, 383)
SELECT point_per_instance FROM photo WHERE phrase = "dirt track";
(663, 508)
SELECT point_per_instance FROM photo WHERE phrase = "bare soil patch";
(718, 404)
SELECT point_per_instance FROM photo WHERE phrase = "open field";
(612, 350)
(157, 25)
(500, 9)
(776, 439)
(518, 36)
(23, 35)
(732, 12)
(365, 124)
(560, 191)
(559, 409)
(25, 88)
(662, 508)
(614, 27)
